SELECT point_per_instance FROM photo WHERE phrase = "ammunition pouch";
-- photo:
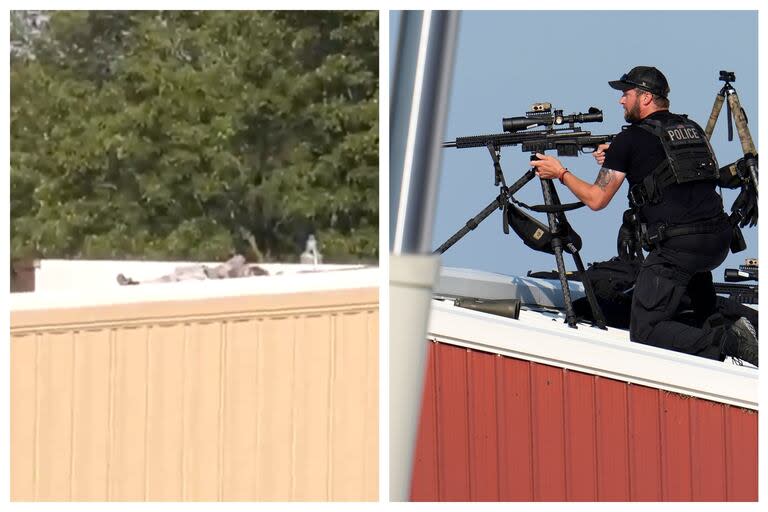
(738, 243)
(638, 197)
(628, 242)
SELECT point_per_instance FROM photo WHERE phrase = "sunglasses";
(625, 78)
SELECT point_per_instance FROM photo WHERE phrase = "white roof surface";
(487, 285)
(53, 274)
(544, 337)
(100, 287)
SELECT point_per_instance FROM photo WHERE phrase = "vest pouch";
(694, 165)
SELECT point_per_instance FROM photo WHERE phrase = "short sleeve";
(617, 157)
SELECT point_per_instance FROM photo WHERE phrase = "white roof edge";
(322, 281)
(608, 354)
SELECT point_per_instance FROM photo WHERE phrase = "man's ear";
(647, 99)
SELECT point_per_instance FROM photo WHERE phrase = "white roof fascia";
(546, 339)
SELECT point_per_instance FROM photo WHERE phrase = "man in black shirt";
(672, 172)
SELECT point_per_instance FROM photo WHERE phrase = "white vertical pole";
(422, 78)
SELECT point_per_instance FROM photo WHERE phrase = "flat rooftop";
(66, 284)
(540, 334)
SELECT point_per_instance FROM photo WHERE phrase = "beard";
(632, 114)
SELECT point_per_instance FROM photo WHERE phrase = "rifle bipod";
(557, 221)
(558, 227)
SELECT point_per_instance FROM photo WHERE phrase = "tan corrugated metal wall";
(246, 398)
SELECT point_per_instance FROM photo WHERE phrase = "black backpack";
(613, 282)
(614, 279)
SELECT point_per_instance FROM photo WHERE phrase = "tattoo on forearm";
(604, 177)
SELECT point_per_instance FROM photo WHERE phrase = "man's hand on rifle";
(596, 196)
(599, 153)
(548, 167)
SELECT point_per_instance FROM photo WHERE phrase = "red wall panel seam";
(627, 398)
(566, 419)
(691, 426)
(564, 374)
(660, 402)
(727, 437)
(437, 421)
(468, 379)
(597, 449)
(663, 445)
(438, 430)
(467, 369)
(594, 430)
(629, 413)
(499, 432)
(530, 420)
(565, 439)
(467, 427)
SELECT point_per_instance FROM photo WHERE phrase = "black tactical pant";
(680, 264)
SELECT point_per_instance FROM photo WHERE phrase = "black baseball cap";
(645, 77)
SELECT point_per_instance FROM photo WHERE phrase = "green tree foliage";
(190, 135)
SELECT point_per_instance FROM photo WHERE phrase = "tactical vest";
(689, 159)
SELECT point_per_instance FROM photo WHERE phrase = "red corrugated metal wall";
(500, 429)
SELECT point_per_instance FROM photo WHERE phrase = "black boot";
(741, 341)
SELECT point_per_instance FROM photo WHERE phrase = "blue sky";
(507, 60)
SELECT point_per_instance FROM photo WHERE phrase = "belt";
(667, 231)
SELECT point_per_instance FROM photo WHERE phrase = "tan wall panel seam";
(35, 445)
(222, 398)
(111, 411)
(73, 390)
(293, 415)
(147, 361)
(331, 406)
(182, 466)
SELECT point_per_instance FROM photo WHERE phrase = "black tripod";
(558, 228)
(734, 112)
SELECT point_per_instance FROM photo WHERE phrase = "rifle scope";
(541, 115)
